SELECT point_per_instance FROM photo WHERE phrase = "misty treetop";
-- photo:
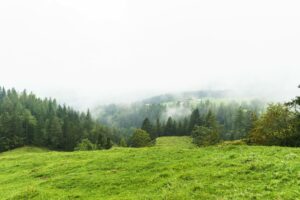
(234, 117)
(234, 120)
(209, 123)
(28, 120)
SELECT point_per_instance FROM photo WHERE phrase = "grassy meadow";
(173, 169)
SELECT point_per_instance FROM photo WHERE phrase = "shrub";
(275, 127)
(122, 143)
(204, 136)
(85, 145)
(140, 138)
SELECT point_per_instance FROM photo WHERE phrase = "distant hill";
(132, 115)
(184, 96)
(178, 106)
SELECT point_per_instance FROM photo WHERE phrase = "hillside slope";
(161, 172)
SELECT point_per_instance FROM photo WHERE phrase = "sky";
(93, 52)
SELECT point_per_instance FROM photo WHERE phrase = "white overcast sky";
(99, 51)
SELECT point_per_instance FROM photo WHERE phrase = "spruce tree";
(194, 119)
(185, 127)
(169, 127)
(148, 127)
(158, 128)
(55, 133)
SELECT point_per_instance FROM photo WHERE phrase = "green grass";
(26, 149)
(165, 171)
(175, 142)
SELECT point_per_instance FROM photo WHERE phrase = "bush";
(203, 136)
(122, 143)
(275, 127)
(140, 138)
(85, 145)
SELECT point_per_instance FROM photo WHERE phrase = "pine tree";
(158, 127)
(29, 125)
(210, 120)
(108, 144)
(180, 129)
(169, 127)
(28, 120)
(55, 133)
(174, 128)
(239, 124)
(148, 127)
(194, 119)
(185, 127)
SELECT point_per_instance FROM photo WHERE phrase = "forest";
(28, 120)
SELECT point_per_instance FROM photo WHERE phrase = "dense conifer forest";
(28, 120)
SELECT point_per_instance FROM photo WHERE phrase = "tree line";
(278, 125)
(28, 120)
(174, 118)
(132, 115)
(243, 122)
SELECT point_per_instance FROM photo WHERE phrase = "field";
(173, 169)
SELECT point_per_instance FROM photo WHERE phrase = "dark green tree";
(54, 133)
(28, 120)
(158, 128)
(148, 127)
(204, 136)
(108, 144)
(194, 119)
(169, 127)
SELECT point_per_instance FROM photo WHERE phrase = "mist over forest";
(172, 99)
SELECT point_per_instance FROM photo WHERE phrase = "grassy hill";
(174, 169)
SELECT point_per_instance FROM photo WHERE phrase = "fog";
(93, 52)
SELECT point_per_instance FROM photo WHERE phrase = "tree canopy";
(28, 120)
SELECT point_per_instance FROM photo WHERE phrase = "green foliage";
(204, 136)
(194, 119)
(182, 120)
(54, 133)
(170, 127)
(28, 120)
(295, 106)
(275, 127)
(108, 144)
(140, 138)
(158, 128)
(123, 143)
(279, 125)
(208, 133)
(85, 145)
(148, 127)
